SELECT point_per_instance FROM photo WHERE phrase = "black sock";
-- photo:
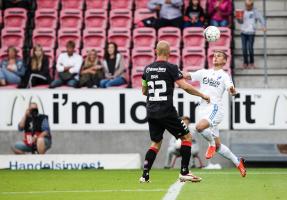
(149, 159)
(185, 152)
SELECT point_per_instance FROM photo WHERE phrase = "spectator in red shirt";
(219, 12)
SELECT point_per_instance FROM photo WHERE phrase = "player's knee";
(186, 137)
(156, 145)
(199, 128)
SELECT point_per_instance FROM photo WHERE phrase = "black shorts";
(173, 124)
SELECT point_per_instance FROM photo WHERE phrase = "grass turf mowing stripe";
(82, 191)
(173, 191)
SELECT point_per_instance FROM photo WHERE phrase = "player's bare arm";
(186, 75)
(144, 87)
(232, 90)
(191, 90)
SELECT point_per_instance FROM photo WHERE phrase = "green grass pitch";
(260, 184)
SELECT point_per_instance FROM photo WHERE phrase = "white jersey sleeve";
(196, 76)
(228, 81)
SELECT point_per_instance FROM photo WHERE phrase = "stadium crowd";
(92, 69)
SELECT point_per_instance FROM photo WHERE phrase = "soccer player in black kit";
(158, 85)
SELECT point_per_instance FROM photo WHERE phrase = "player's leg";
(225, 152)
(156, 135)
(185, 152)
(202, 127)
(178, 129)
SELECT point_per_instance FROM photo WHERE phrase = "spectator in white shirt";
(68, 67)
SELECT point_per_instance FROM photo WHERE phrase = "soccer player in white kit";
(214, 82)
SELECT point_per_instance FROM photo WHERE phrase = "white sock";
(206, 134)
(225, 152)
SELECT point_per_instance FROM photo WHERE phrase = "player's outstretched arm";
(232, 90)
(186, 75)
(191, 90)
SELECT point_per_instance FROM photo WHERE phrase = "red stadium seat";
(120, 18)
(210, 56)
(71, 18)
(48, 4)
(12, 37)
(97, 4)
(100, 52)
(171, 35)
(94, 37)
(137, 77)
(122, 4)
(141, 3)
(15, 18)
(72, 4)
(142, 56)
(46, 18)
(4, 53)
(174, 56)
(143, 13)
(193, 58)
(144, 37)
(120, 36)
(45, 37)
(64, 35)
(224, 40)
(193, 37)
(96, 18)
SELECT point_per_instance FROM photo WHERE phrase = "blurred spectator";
(170, 13)
(38, 69)
(219, 12)
(68, 67)
(37, 136)
(175, 145)
(12, 69)
(92, 71)
(16, 3)
(248, 28)
(194, 15)
(114, 67)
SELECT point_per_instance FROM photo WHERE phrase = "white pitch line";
(173, 191)
(83, 191)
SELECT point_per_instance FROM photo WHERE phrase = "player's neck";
(161, 58)
(216, 68)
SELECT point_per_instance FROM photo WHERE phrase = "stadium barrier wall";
(97, 110)
(71, 162)
(260, 109)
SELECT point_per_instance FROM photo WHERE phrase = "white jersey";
(213, 83)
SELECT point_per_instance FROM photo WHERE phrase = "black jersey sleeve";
(144, 76)
(175, 73)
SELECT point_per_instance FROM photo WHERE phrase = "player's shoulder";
(224, 73)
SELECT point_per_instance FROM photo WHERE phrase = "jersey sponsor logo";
(211, 82)
(158, 69)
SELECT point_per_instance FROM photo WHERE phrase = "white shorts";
(213, 114)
